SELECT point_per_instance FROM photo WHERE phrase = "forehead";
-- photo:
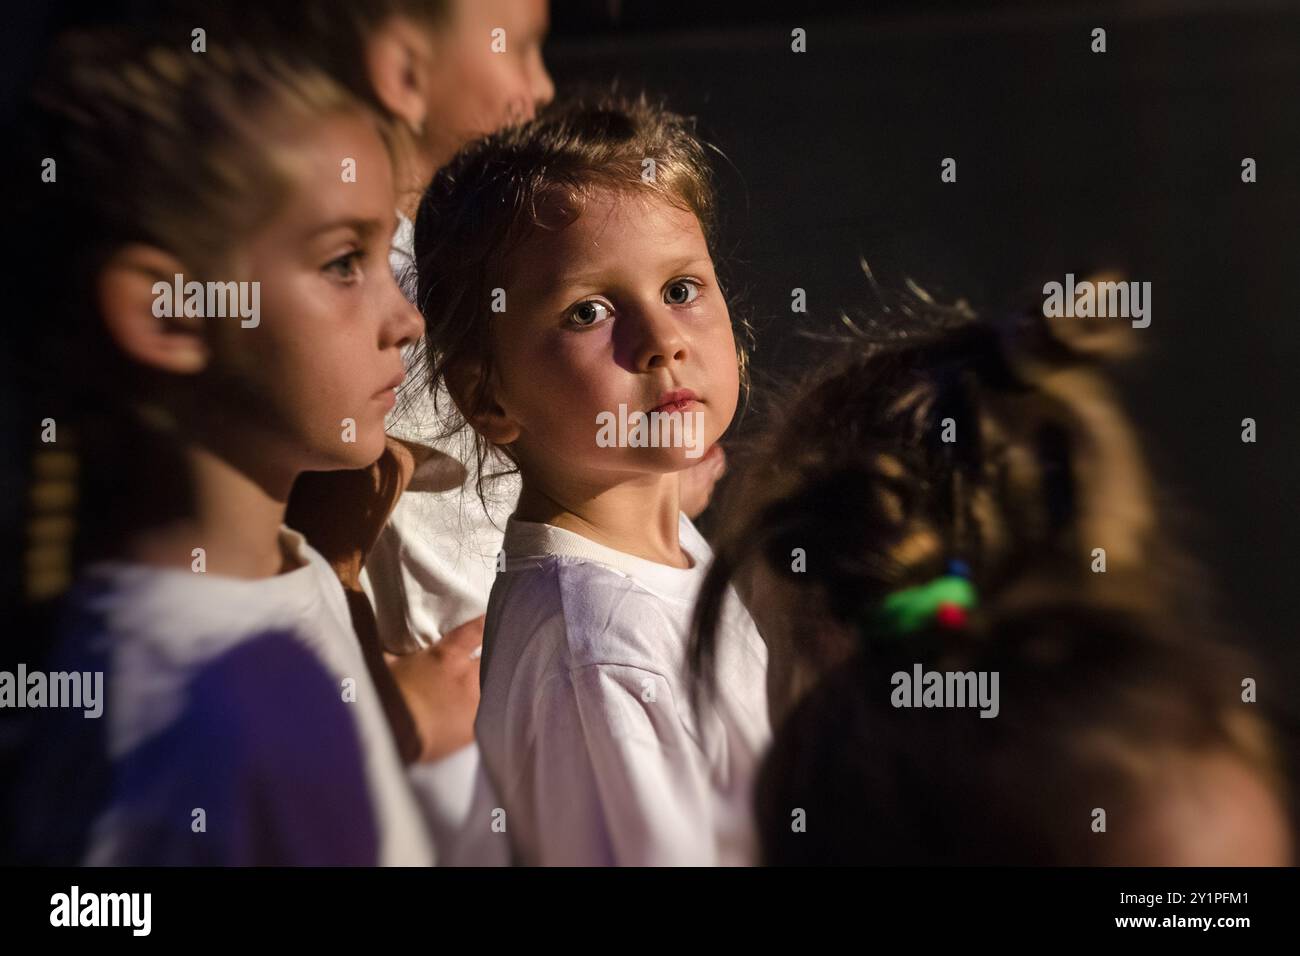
(609, 226)
(338, 167)
(522, 15)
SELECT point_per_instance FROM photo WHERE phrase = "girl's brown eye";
(681, 292)
(588, 313)
(347, 266)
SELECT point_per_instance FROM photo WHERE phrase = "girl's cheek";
(572, 360)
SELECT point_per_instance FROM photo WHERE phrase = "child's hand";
(441, 688)
(697, 481)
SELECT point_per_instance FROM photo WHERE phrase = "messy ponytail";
(938, 436)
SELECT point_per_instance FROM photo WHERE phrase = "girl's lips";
(685, 406)
(677, 400)
(391, 388)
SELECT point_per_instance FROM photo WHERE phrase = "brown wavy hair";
(535, 177)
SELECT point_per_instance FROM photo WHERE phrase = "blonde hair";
(153, 144)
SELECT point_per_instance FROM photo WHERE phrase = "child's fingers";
(467, 639)
(717, 458)
(698, 481)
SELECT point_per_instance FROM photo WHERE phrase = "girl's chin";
(670, 441)
(355, 455)
(666, 461)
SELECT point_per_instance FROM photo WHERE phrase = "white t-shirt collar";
(526, 540)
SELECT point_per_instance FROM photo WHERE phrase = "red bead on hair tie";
(950, 616)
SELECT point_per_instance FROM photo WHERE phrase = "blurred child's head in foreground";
(965, 507)
(264, 192)
(943, 438)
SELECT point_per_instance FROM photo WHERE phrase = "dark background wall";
(1067, 160)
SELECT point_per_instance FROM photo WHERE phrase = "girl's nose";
(413, 322)
(660, 343)
(404, 325)
(541, 84)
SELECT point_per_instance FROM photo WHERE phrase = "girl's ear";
(398, 58)
(485, 416)
(135, 285)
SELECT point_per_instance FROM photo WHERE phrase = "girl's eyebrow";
(363, 227)
(680, 265)
(564, 280)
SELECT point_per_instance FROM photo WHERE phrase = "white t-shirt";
(586, 725)
(432, 567)
(430, 571)
(162, 635)
(434, 563)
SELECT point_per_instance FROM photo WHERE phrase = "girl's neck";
(639, 517)
(234, 518)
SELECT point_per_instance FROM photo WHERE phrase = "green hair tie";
(945, 601)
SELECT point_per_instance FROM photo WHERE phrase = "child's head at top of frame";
(969, 500)
(447, 71)
(567, 282)
(266, 194)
